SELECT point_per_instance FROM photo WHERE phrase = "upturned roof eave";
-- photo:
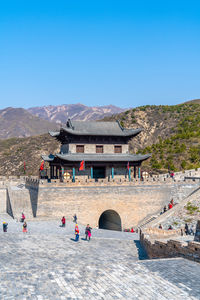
(54, 133)
(103, 157)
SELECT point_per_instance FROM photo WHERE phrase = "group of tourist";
(24, 226)
(187, 230)
(170, 205)
(87, 229)
(87, 233)
(130, 230)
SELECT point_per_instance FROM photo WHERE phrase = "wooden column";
(73, 175)
(91, 169)
(62, 174)
(139, 175)
(129, 174)
(112, 172)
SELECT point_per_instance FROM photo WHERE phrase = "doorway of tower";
(110, 220)
(99, 172)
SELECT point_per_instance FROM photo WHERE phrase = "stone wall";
(133, 203)
(156, 248)
(18, 201)
(3, 198)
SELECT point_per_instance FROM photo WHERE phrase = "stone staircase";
(154, 221)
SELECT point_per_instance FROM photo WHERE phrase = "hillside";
(60, 113)
(17, 122)
(170, 133)
(195, 101)
(15, 151)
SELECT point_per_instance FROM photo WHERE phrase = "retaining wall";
(156, 248)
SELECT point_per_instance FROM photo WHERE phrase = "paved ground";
(46, 263)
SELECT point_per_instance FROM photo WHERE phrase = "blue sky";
(126, 53)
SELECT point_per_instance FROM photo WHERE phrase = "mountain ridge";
(78, 111)
(20, 122)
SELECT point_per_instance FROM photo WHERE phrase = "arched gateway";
(111, 220)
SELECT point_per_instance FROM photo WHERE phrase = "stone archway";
(110, 220)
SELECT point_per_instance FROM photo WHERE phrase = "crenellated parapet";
(160, 243)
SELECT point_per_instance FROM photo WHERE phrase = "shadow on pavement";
(73, 240)
(141, 251)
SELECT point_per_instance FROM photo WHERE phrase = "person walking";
(75, 218)
(191, 231)
(88, 232)
(76, 233)
(186, 229)
(170, 205)
(23, 217)
(63, 221)
(5, 226)
(24, 227)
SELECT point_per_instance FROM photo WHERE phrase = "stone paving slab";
(49, 227)
(47, 264)
(181, 272)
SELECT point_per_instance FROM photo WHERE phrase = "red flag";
(42, 166)
(82, 165)
(128, 166)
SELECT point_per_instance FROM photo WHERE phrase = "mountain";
(61, 113)
(170, 133)
(18, 122)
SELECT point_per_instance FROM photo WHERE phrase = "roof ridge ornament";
(69, 124)
(122, 128)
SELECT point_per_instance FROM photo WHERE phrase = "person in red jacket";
(132, 230)
(63, 221)
(23, 218)
(170, 206)
(76, 233)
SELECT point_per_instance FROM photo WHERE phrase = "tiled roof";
(96, 129)
(76, 157)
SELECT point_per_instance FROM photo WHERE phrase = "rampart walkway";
(47, 264)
